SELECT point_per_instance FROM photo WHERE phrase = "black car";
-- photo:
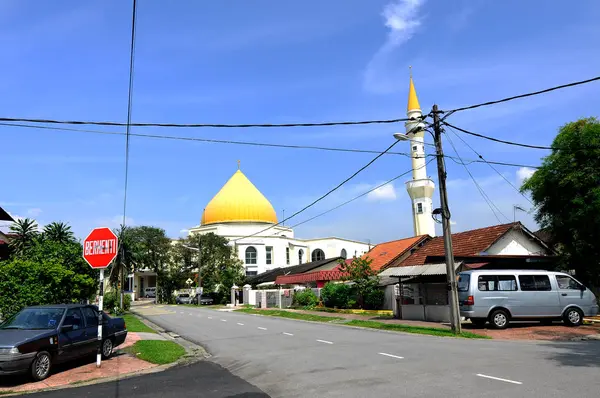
(204, 300)
(37, 337)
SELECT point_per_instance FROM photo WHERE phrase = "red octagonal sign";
(100, 247)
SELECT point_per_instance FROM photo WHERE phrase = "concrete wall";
(390, 298)
(430, 313)
(516, 243)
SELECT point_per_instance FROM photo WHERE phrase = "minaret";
(421, 187)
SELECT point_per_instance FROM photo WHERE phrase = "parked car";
(150, 292)
(183, 298)
(499, 296)
(36, 338)
(204, 300)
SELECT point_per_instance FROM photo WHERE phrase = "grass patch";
(134, 324)
(290, 315)
(156, 351)
(414, 329)
(7, 392)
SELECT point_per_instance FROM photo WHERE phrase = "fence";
(270, 298)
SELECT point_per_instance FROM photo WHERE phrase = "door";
(91, 327)
(73, 340)
(571, 293)
(538, 298)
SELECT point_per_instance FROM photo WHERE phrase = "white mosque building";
(242, 214)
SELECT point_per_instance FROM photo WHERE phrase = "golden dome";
(413, 101)
(239, 201)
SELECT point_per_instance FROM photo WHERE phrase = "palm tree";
(59, 232)
(23, 233)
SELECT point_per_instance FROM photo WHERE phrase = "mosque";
(243, 215)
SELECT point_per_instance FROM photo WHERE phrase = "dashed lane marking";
(390, 355)
(498, 378)
(325, 341)
(223, 320)
(288, 334)
(261, 328)
(241, 324)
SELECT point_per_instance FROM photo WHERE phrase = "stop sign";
(100, 247)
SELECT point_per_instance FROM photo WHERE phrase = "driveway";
(287, 358)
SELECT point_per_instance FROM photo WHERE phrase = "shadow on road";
(580, 354)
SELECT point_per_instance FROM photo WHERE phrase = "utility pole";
(199, 268)
(448, 251)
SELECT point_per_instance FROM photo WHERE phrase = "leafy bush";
(374, 298)
(338, 295)
(112, 300)
(306, 298)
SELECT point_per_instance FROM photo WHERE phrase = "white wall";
(516, 242)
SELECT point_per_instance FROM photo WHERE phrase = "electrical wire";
(361, 195)
(204, 125)
(252, 143)
(323, 196)
(487, 199)
(547, 90)
(493, 168)
(497, 139)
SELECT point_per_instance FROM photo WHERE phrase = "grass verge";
(159, 352)
(413, 329)
(134, 324)
(290, 315)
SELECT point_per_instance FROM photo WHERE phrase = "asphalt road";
(287, 358)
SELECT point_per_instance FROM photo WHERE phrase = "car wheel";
(478, 322)
(499, 319)
(107, 348)
(40, 368)
(573, 316)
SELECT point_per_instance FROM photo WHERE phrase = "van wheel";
(40, 368)
(499, 319)
(478, 322)
(573, 316)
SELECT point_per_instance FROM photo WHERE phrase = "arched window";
(250, 255)
(344, 254)
(318, 255)
(300, 255)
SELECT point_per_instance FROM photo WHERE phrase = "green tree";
(365, 279)
(58, 232)
(24, 232)
(566, 192)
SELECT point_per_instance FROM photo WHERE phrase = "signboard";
(100, 247)
(199, 290)
(189, 281)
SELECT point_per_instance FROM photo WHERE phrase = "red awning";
(315, 276)
(475, 265)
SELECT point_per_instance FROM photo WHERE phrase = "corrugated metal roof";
(417, 270)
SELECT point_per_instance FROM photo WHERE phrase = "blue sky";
(267, 61)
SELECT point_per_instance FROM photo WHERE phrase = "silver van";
(499, 296)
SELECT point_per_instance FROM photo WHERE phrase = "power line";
(547, 90)
(361, 195)
(497, 139)
(487, 199)
(204, 125)
(129, 106)
(252, 143)
(493, 168)
(325, 195)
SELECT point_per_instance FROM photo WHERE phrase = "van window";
(463, 282)
(567, 283)
(497, 283)
(534, 283)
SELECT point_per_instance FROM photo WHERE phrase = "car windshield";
(184, 295)
(35, 319)
(463, 282)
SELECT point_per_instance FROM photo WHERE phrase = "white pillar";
(247, 293)
(279, 300)
(263, 299)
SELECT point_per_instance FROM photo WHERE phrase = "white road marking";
(223, 320)
(325, 341)
(181, 312)
(262, 328)
(287, 334)
(210, 317)
(390, 355)
(241, 324)
(498, 378)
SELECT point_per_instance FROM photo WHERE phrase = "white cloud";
(34, 212)
(386, 192)
(402, 20)
(524, 173)
(184, 232)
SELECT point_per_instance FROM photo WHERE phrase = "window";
(463, 282)
(287, 255)
(419, 208)
(250, 255)
(414, 148)
(269, 254)
(250, 272)
(344, 254)
(500, 283)
(534, 283)
(567, 283)
(318, 255)
(300, 255)
(74, 318)
(91, 318)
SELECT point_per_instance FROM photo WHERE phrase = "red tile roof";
(332, 275)
(384, 254)
(468, 243)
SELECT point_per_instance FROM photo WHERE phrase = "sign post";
(99, 250)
